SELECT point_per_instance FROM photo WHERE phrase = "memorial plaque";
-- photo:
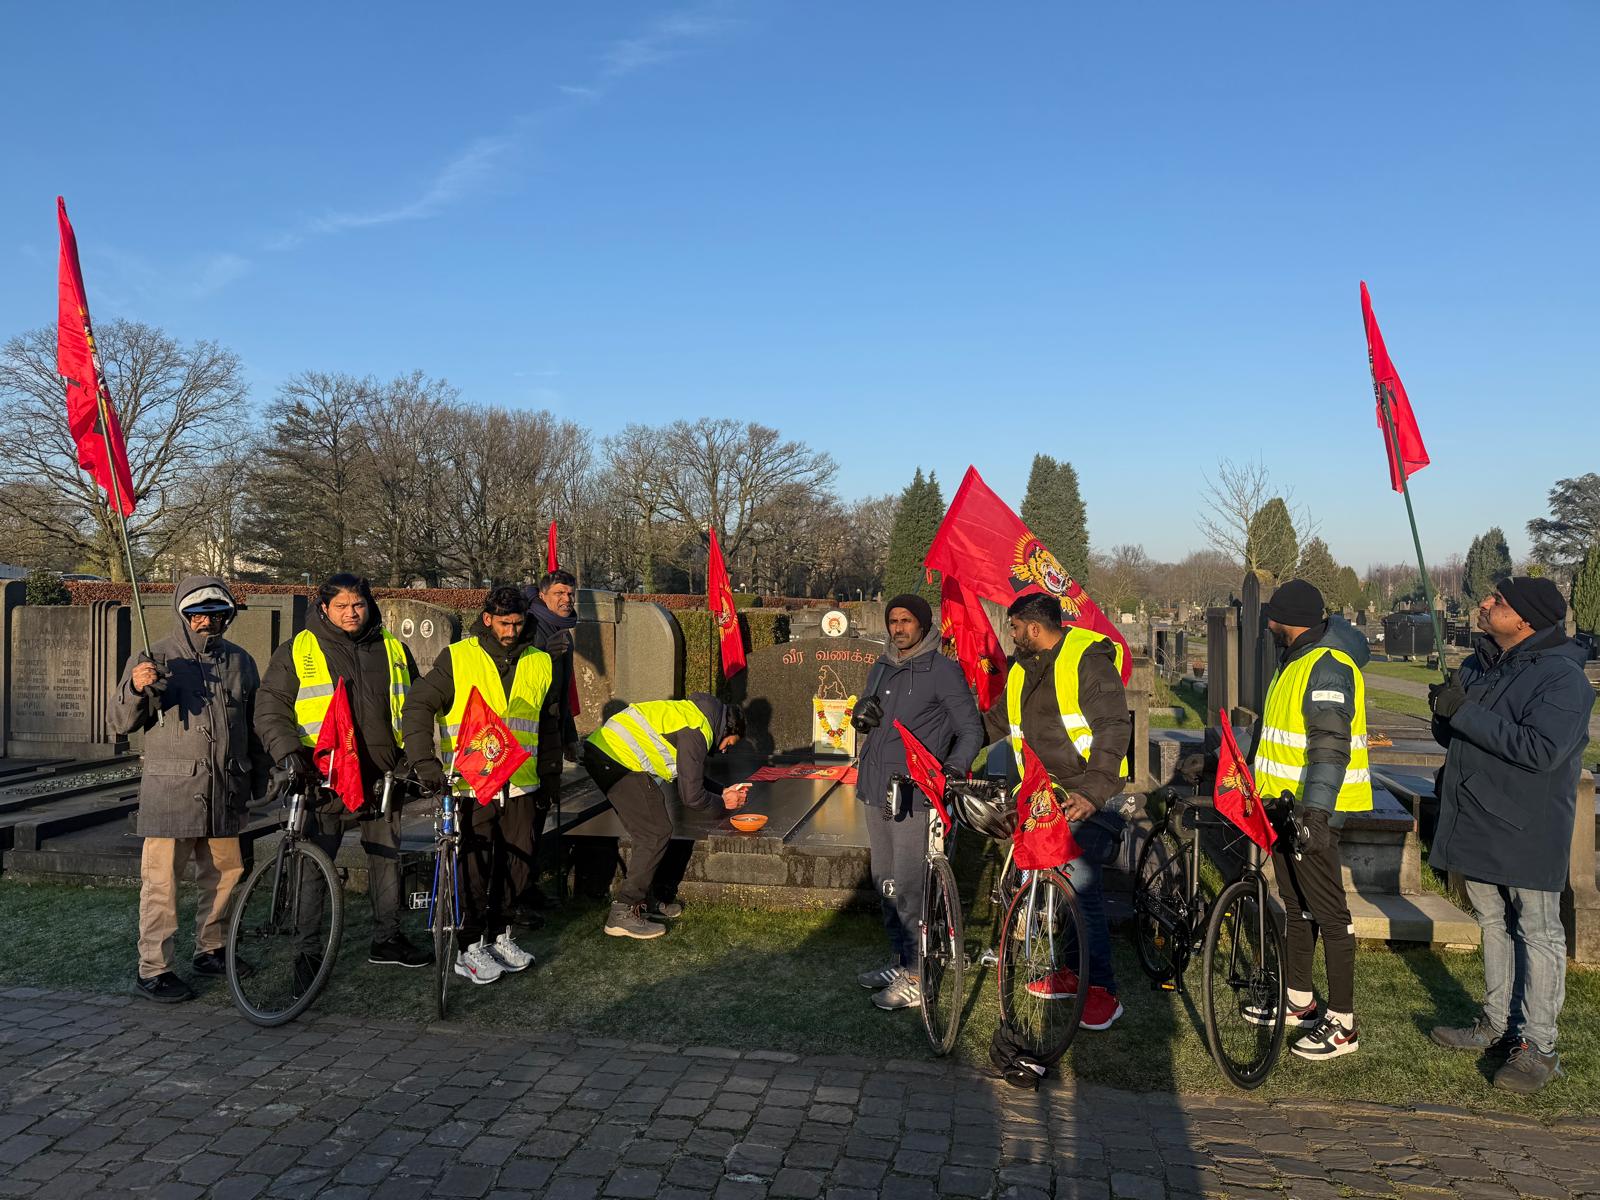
(782, 683)
(426, 629)
(64, 662)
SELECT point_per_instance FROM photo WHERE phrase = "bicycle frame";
(446, 834)
(293, 831)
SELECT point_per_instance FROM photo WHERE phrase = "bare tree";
(405, 424)
(1234, 496)
(180, 408)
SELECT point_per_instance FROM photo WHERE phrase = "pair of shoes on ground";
(485, 961)
(893, 987)
(1323, 1036)
(641, 921)
(399, 951)
(169, 988)
(1101, 1008)
(1526, 1068)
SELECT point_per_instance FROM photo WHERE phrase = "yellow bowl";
(747, 822)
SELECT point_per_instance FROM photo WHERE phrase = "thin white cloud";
(464, 175)
(667, 38)
(217, 272)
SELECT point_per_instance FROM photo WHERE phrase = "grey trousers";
(899, 858)
(1524, 960)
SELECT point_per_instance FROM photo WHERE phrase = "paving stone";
(1137, 1187)
(633, 1182)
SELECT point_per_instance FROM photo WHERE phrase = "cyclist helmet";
(983, 805)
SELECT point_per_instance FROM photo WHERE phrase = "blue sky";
(921, 233)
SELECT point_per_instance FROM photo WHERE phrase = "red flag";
(987, 547)
(926, 771)
(1407, 454)
(572, 687)
(1043, 838)
(964, 624)
(1235, 794)
(719, 598)
(102, 454)
(335, 751)
(487, 754)
(550, 549)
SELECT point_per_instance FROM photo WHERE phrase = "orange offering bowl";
(747, 822)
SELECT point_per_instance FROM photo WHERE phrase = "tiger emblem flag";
(1044, 836)
(487, 753)
(1235, 793)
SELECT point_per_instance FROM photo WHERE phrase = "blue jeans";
(1524, 960)
(1099, 838)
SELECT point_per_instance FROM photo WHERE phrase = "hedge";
(702, 650)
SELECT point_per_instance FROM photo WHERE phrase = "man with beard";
(1312, 745)
(914, 683)
(192, 695)
(550, 626)
(344, 639)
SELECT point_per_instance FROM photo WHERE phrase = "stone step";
(1426, 917)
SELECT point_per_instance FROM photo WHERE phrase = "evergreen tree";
(1318, 568)
(1488, 562)
(916, 519)
(1271, 544)
(1054, 510)
(1586, 592)
(1348, 590)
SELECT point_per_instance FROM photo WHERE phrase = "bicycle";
(444, 899)
(1236, 934)
(941, 933)
(283, 936)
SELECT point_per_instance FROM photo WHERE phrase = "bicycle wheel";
(1044, 965)
(1244, 985)
(1161, 904)
(446, 921)
(944, 955)
(284, 934)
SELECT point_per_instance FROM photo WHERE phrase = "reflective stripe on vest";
(1073, 645)
(638, 736)
(471, 667)
(317, 684)
(1280, 763)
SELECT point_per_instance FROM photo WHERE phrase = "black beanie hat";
(1296, 603)
(915, 605)
(1537, 601)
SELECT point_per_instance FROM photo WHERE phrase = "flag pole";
(1385, 398)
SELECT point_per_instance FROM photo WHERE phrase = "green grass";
(1167, 696)
(1398, 702)
(734, 976)
(1416, 672)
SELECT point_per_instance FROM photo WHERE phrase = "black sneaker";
(215, 962)
(664, 910)
(1293, 1018)
(399, 952)
(1328, 1039)
(165, 988)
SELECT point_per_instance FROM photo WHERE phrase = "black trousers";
(643, 811)
(380, 838)
(485, 863)
(1313, 897)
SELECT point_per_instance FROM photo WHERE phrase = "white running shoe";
(509, 955)
(478, 964)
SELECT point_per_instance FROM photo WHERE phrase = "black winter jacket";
(558, 727)
(1514, 751)
(928, 694)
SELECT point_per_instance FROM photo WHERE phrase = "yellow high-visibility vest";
(471, 667)
(1280, 764)
(1073, 646)
(637, 737)
(317, 684)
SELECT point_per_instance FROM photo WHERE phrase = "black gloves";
(297, 765)
(1312, 834)
(868, 715)
(1446, 698)
(430, 774)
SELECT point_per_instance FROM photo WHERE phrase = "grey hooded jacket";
(204, 762)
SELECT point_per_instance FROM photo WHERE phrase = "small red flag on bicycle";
(102, 454)
(487, 754)
(965, 626)
(1235, 793)
(719, 598)
(1407, 454)
(987, 547)
(335, 752)
(926, 771)
(1043, 838)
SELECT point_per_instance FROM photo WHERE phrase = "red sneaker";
(1060, 984)
(1101, 1010)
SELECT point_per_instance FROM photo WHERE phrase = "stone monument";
(64, 663)
(426, 629)
(783, 685)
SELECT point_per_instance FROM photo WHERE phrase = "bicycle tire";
(445, 922)
(1161, 905)
(1042, 935)
(1243, 964)
(942, 938)
(262, 933)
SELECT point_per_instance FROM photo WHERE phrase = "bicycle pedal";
(1166, 985)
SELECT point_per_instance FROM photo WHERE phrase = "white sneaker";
(509, 955)
(478, 964)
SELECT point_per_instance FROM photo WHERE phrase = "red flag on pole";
(987, 547)
(1043, 837)
(719, 598)
(1235, 793)
(1407, 454)
(487, 754)
(335, 752)
(964, 624)
(101, 451)
(926, 772)
(550, 549)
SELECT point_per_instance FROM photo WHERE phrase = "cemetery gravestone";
(781, 684)
(426, 629)
(64, 664)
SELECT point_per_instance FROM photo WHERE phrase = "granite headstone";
(426, 629)
(781, 682)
